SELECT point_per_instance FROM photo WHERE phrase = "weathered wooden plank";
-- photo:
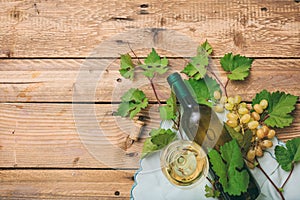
(76, 28)
(65, 135)
(67, 80)
(65, 184)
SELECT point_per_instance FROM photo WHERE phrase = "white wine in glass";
(184, 163)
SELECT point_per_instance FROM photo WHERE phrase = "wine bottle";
(202, 125)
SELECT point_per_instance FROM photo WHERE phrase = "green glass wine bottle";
(201, 124)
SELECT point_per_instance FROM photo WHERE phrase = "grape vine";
(251, 125)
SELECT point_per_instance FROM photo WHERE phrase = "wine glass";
(184, 163)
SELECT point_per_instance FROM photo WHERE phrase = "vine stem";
(220, 82)
(226, 84)
(286, 180)
(211, 182)
(139, 61)
(150, 79)
(177, 127)
(263, 171)
(154, 90)
(266, 117)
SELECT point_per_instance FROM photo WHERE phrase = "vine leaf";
(133, 101)
(168, 111)
(127, 67)
(203, 89)
(280, 105)
(211, 192)
(159, 138)
(154, 64)
(233, 178)
(207, 47)
(286, 157)
(196, 68)
(244, 140)
(237, 66)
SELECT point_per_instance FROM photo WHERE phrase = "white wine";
(184, 163)
(207, 130)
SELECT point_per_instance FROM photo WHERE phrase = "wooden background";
(44, 45)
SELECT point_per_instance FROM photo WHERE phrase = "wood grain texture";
(70, 136)
(66, 135)
(56, 143)
(76, 28)
(67, 80)
(65, 184)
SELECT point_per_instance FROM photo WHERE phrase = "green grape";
(232, 123)
(232, 116)
(258, 108)
(263, 103)
(242, 105)
(245, 118)
(223, 100)
(243, 111)
(253, 125)
(231, 100)
(229, 106)
(265, 130)
(267, 143)
(237, 99)
(217, 95)
(218, 108)
(271, 134)
(255, 116)
(260, 133)
(258, 151)
(250, 164)
(251, 155)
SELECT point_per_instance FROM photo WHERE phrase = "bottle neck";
(181, 91)
(191, 115)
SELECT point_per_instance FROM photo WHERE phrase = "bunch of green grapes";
(242, 117)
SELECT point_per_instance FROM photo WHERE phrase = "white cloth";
(152, 184)
(278, 176)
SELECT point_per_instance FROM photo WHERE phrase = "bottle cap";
(177, 84)
(173, 78)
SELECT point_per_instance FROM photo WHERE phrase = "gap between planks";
(59, 80)
(46, 136)
(89, 184)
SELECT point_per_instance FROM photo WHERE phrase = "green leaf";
(196, 68)
(163, 137)
(127, 67)
(207, 47)
(148, 147)
(211, 192)
(138, 107)
(154, 64)
(280, 105)
(238, 66)
(287, 156)
(153, 58)
(124, 108)
(228, 166)
(264, 94)
(204, 89)
(133, 101)
(244, 140)
(158, 140)
(194, 72)
(169, 111)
